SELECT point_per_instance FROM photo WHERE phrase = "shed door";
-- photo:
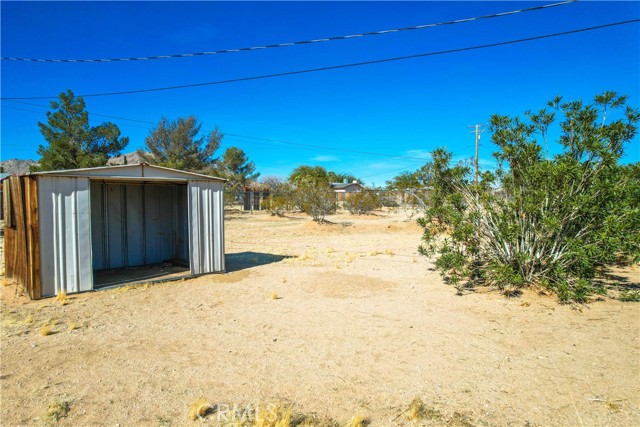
(206, 227)
(65, 234)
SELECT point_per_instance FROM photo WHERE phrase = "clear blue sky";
(404, 108)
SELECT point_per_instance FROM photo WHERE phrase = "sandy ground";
(361, 325)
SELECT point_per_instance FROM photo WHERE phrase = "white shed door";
(65, 235)
(206, 227)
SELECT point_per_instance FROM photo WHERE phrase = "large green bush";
(553, 222)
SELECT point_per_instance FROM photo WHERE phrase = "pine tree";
(72, 142)
(174, 144)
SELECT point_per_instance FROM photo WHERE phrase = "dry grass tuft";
(313, 421)
(57, 410)
(357, 421)
(349, 257)
(418, 410)
(62, 298)
(28, 320)
(613, 406)
(6, 282)
(374, 253)
(46, 329)
(272, 416)
(274, 295)
(276, 415)
(459, 420)
(72, 326)
(200, 408)
(389, 252)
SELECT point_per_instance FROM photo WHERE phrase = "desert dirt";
(361, 326)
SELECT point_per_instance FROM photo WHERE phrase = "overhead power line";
(264, 141)
(255, 139)
(320, 40)
(336, 67)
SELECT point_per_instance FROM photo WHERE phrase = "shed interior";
(139, 229)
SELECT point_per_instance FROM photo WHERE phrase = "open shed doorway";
(139, 231)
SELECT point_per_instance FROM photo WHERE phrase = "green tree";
(341, 177)
(72, 142)
(175, 144)
(554, 223)
(318, 174)
(309, 175)
(236, 167)
(405, 181)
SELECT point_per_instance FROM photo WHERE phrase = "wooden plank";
(18, 250)
(9, 232)
(33, 236)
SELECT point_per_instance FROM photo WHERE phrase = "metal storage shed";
(63, 226)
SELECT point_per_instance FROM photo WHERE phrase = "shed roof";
(142, 171)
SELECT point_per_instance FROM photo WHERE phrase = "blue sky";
(404, 108)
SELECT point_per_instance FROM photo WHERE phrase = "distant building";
(343, 189)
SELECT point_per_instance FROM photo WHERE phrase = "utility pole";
(477, 151)
(478, 131)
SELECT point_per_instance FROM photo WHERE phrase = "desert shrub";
(551, 222)
(362, 202)
(280, 198)
(56, 411)
(317, 200)
(277, 204)
(630, 295)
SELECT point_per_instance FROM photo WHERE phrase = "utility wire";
(263, 141)
(324, 147)
(321, 40)
(226, 134)
(304, 146)
(336, 67)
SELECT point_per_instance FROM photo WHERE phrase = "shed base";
(104, 278)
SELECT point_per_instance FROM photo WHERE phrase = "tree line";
(555, 223)
(72, 143)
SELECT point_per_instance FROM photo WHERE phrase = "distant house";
(343, 189)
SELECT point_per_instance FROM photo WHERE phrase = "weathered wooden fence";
(21, 237)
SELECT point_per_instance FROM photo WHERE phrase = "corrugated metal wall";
(206, 226)
(138, 224)
(129, 224)
(65, 234)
